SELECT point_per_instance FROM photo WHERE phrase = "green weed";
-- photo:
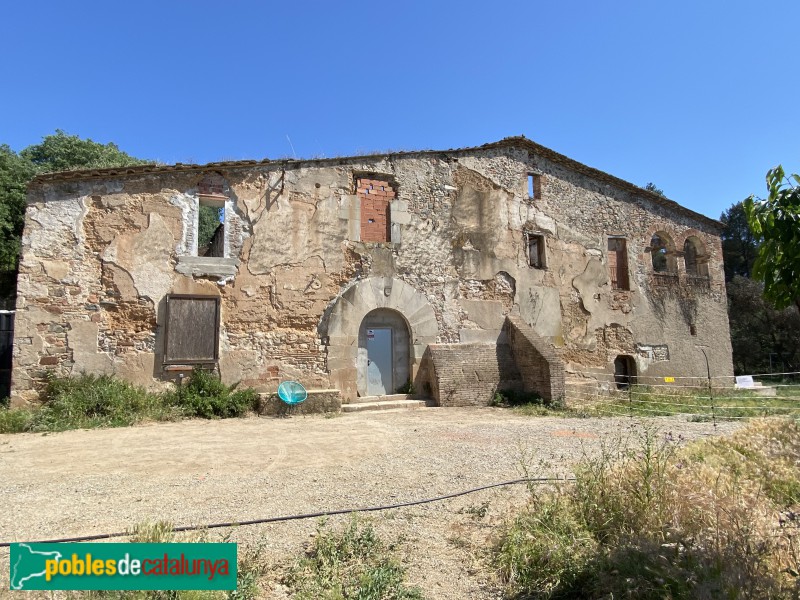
(250, 569)
(91, 401)
(350, 564)
(207, 397)
(16, 420)
(700, 403)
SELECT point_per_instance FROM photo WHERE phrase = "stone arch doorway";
(383, 353)
(341, 324)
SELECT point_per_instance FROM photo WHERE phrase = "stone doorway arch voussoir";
(349, 311)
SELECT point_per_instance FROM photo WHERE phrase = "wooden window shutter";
(192, 329)
(618, 263)
(612, 263)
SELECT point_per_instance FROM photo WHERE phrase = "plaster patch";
(145, 256)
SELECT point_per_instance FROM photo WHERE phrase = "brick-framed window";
(618, 263)
(534, 186)
(535, 250)
(375, 195)
(191, 331)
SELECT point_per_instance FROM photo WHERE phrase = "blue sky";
(699, 97)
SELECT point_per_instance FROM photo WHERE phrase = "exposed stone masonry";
(103, 249)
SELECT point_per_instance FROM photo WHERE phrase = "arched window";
(694, 254)
(662, 253)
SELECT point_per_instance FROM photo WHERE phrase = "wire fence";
(697, 398)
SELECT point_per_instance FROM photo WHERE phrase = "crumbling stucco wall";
(101, 251)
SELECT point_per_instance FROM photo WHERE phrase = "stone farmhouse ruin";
(461, 272)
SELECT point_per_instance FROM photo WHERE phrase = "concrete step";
(383, 405)
(387, 397)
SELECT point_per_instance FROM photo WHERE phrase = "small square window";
(534, 243)
(534, 186)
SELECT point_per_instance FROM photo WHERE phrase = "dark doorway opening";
(624, 372)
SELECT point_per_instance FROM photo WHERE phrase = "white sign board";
(744, 381)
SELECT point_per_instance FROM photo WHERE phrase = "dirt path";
(194, 472)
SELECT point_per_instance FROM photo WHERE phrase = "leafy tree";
(208, 221)
(63, 152)
(777, 221)
(15, 172)
(762, 337)
(739, 245)
(57, 152)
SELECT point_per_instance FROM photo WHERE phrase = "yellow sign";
(669, 380)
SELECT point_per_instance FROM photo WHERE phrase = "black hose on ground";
(327, 513)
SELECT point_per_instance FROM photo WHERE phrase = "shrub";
(543, 549)
(353, 563)
(207, 397)
(406, 388)
(89, 401)
(16, 420)
(649, 520)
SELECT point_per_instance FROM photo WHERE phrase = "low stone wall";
(318, 401)
(468, 374)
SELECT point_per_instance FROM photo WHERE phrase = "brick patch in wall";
(375, 196)
(469, 374)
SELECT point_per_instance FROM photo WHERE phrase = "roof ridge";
(518, 141)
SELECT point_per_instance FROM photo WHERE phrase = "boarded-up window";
(376, 196)
(618, 263)
(192, 331)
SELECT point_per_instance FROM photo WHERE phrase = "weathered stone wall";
(101, 251)
(468, 374)
(540, 369)
(318, 401)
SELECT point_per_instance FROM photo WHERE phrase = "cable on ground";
(327, 513)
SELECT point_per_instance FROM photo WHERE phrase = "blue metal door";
(379, 362)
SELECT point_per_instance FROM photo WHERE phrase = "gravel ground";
(196, 472)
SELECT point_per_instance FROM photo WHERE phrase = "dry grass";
(646, 519)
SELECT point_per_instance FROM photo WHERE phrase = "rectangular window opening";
(535, 246)
(534, 186)
(618, 263)
(211, 229)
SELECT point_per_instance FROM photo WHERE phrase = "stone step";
(387, 397)
(383, 405)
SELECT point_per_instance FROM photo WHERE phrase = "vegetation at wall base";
(91, 401)
(695, 402)
(528, 404)
(205, 396)
(350, 564)
(647, 519)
